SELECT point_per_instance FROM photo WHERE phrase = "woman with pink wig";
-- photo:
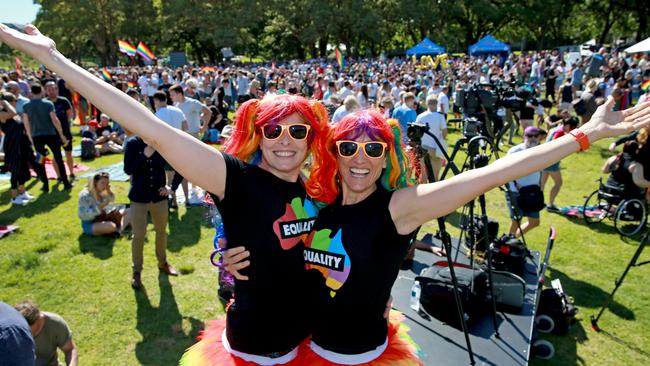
(374, 212)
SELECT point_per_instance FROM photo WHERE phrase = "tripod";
(474, 160)
(633, 263)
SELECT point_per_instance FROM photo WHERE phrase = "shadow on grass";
(588, 295)
(44, 203)
(100, 246)
(163, 336)
(186, 230)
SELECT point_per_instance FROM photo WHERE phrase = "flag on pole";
(126, 47)
(106, 75)
(339, 58)
(19, 67)
(145, 52)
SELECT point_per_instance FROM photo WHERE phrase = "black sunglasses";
(296, 131)
(372, 149)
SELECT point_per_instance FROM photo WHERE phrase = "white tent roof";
(643, 46)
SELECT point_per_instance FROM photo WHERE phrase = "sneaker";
(26, 196)
(552, 208)
(19, 201)
(72, 178)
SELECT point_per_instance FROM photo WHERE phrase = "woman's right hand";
(32, 42)
(234, 259)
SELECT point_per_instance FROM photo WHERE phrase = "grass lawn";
(87, 280)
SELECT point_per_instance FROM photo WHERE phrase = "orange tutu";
(400, 351)
(210, 351)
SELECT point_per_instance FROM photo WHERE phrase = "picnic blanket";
(7, 229)
(116, 171)
(576, 211)
(51, 173)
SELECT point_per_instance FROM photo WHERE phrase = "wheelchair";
(629, 212)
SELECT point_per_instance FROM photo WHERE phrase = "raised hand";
(607, 123)
(32, 42)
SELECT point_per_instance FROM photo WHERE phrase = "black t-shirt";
(621, 177)
(528, 112)
(61, 108)
(270, 217)
(358, 251)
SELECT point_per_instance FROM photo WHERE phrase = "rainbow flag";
(145, 52)
(339, 58)
(131, 84)
(645, 85)
(126, 47)
(106, 75)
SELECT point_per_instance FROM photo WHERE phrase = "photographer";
(436, 124)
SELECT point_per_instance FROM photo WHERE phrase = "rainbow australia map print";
(294, 226)
(329, 257)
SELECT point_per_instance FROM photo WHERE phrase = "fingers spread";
(639, 111)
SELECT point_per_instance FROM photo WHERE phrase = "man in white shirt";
(443, 101)
(345, 91)
(148, 83)
(438, 127)
(174, 117)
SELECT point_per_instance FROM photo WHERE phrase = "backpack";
(531, 198)
(87, 149)
(509, 254)
(437, 292)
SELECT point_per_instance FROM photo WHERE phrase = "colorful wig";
(323, 184)
(254, 114)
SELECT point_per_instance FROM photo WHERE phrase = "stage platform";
(442, 344)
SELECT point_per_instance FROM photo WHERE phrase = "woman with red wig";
(373, 213)
(254, 183)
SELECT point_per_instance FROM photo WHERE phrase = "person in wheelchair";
(626, 172)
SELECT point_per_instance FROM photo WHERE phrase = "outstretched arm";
(413, 206)
(186, 154)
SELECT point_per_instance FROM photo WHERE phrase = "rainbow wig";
(254, 114)
(323, 184)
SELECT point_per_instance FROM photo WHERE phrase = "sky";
(18, 11)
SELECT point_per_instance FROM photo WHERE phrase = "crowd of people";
(361, 175)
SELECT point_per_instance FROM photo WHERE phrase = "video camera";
(415, 131)
(488, 97)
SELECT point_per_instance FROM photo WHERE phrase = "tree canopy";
(288, 29)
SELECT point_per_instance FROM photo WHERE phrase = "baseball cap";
(93, 123)
(531, 131)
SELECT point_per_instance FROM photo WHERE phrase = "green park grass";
(87, 279)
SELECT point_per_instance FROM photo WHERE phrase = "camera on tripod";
(415, 131)
(483, 106)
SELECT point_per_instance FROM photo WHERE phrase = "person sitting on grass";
(106, 130)
(103, 144)
(96, 219)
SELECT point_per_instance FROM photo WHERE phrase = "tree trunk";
(322, 46)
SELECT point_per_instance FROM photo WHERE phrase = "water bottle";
(415, 296)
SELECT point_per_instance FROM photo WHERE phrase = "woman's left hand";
(607, 123)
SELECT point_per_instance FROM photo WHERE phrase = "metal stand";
(633, 263)
(446, 241)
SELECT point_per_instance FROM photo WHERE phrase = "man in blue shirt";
(405, 113)
(16, 341)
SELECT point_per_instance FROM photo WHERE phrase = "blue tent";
(490, 45)
(426, 47)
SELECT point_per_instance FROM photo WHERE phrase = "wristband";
(582, 139)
